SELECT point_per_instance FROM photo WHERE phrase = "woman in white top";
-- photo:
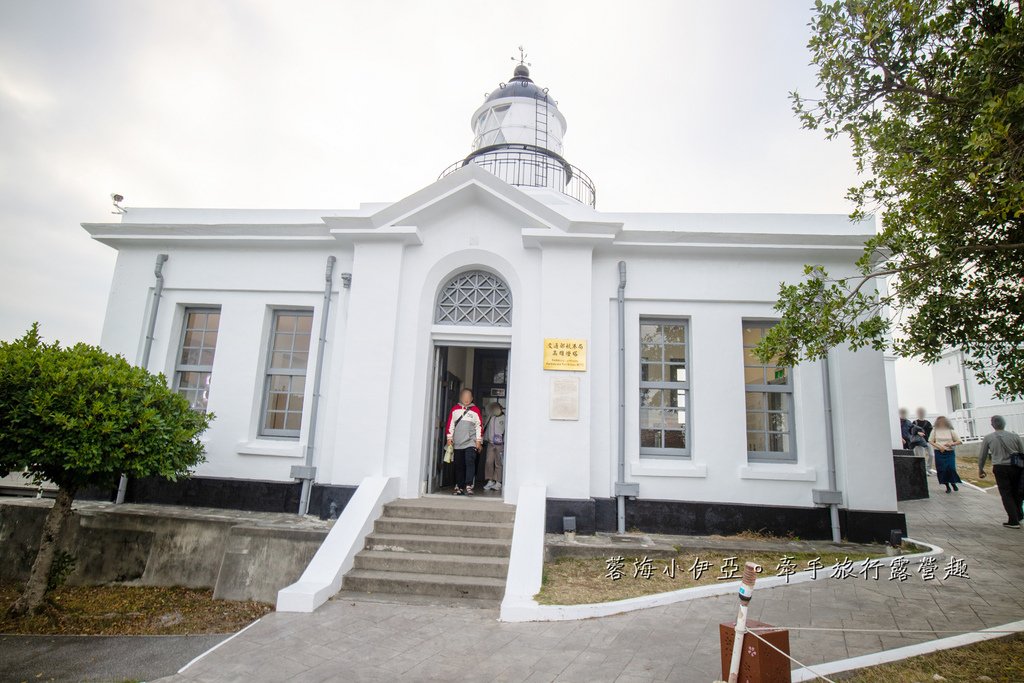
(945, 440)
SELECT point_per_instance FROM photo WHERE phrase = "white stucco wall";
(946, 372)
(560, 265)
(247, 283)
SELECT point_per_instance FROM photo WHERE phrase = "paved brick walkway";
(73, 659)
(367, 641)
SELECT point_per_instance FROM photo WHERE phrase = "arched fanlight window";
(475, 297)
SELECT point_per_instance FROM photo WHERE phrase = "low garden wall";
(240, 555)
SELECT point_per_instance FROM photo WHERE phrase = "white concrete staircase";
(454, 547)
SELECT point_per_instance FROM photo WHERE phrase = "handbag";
(449, 449)
(496, 439)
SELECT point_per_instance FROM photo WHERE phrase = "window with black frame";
(285, 384)
(664, 388)
(769, 401)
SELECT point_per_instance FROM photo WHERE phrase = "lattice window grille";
(475, 298)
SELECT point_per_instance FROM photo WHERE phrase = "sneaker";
(1011, 526)
(489, 485)
(497, 486)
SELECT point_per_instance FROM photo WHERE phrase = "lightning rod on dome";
(522, 57)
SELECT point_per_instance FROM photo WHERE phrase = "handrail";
(529, 166)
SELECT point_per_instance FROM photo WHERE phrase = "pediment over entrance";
(468, 185)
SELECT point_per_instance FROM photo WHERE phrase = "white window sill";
(272, 447)
(663, 468)
(778, 472)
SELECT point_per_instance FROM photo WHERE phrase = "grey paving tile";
(363, 641)
(540, 677)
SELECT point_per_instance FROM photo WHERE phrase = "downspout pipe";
(967, 404)
(622, 489)
(833, 496)
(308, 473)
(158, 290)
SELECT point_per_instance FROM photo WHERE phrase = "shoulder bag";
(1016, 457)
(449, 449)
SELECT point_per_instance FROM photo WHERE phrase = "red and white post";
(750, 571)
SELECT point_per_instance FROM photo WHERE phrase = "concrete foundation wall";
(154, 546)
(258, 562)
(696, 518)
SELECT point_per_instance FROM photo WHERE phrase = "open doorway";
(485, 371)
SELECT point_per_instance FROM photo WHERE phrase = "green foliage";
(63, 564)
(931, 95)
(79, 417)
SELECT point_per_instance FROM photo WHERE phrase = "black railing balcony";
(530, 166)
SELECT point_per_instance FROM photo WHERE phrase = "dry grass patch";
(129, 610)
(1000, 660)
(577, 581)
(761, 535)
(967, 468)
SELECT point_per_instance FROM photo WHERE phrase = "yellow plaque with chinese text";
(565, 354)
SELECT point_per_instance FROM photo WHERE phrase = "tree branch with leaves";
(930, 94)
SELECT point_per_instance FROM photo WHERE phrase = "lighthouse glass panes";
(489, 126)
(286, 373)
(194, 368)
(664, 388)
(475, 298)
(769, 398)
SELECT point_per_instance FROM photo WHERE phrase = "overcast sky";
(671, 106)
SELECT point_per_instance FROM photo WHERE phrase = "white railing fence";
(974, 422)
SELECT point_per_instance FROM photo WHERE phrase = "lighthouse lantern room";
(517, 136)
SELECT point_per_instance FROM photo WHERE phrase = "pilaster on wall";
(368, 360)
(566, 273)
(895, 434)
(862, 430)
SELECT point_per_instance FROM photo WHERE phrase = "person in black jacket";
(925, 449)
(909, 432)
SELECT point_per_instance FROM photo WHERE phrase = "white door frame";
(466, 337)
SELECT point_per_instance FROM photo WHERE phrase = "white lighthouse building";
(332, 343)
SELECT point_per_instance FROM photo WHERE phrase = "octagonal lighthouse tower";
(518, 137)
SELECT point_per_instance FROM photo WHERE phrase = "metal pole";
(739, 633)
(310, 472)
(158, 289)
(621, 498)
(830, 445)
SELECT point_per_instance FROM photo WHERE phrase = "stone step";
(439, 545)
(435, 565)
(442, 527)
(416, 600)
(455, 508)
(372, 581)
